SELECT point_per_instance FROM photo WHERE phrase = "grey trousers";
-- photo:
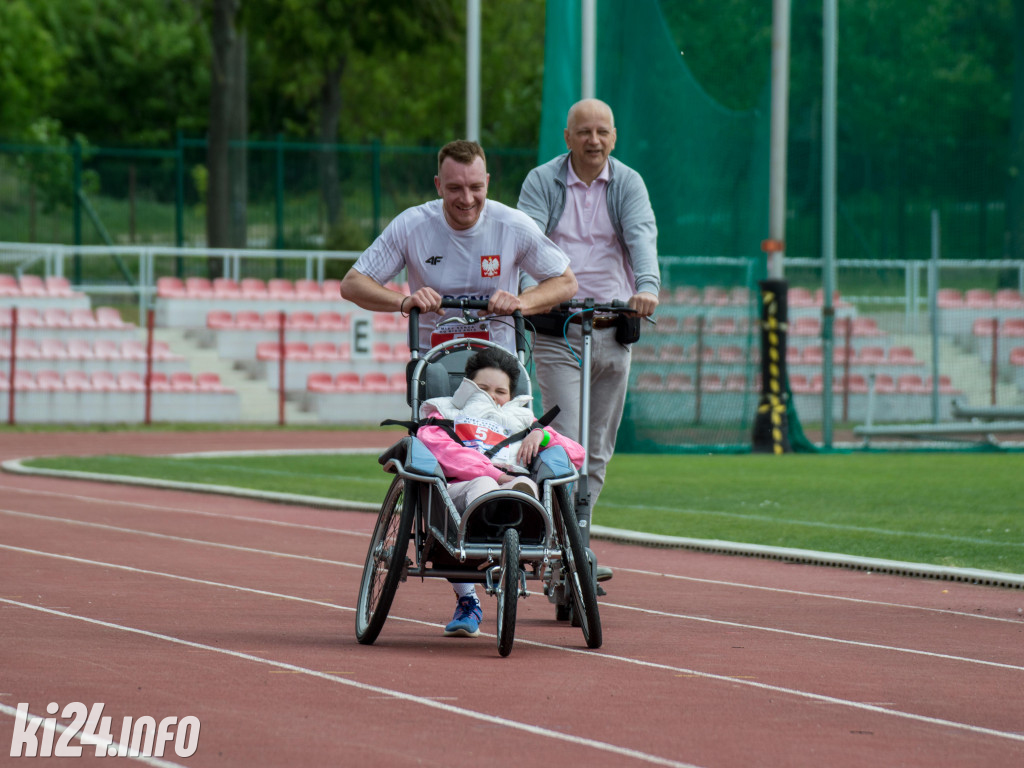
(558, 374)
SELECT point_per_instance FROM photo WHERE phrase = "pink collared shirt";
(585, 233)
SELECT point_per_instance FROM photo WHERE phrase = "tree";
(29, 78)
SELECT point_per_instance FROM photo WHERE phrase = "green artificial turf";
(962, 510)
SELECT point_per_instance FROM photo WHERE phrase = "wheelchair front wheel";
(385, 561)
(508, 597)
(576, 570)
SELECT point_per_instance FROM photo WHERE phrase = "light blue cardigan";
(629, 207)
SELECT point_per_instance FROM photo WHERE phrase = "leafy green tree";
(133, 73)
(30, 70)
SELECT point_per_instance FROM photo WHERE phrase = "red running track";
(240, 613)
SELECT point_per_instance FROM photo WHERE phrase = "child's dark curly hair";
(490, 357)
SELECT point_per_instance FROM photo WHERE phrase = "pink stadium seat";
(58, 286)
(911, 383)
(280, 288)
(182, 381)
(800, 297)
(133, 349)
(226, 288)
(9, 285)
(198, 288)
(297, 350)
(1008, 298)
(106, 349)
(308, 289)
(712, 382)
(25, 380)
(722, 325)
(248, 320)
(268, 350)
(29, 317)
(324, 350)
(736, 382)
(805, 326)
(945, 385)
(949, 298)
(400, 351)
(272, 319)
(130, 381)
(812, 356)
(798, 383)
(983, 326)
(27, 349)
(333, 321)
(871, 355)
(78, 381)
(55, 317)
(672, 353)
(731, 354)
(979, 298)
(320, 382)
(53, 349)
(715, 297)
(210, 382)
(397, 382)
(375, 382)
(80, 349)
(219, 320)
(884, 384)
(902, 356)
(649, 382)
(110, 317)
(105, 381)
(667, 324)
(344, 350)
(162, 351)
(32, 285)
(385, 322)
(83, 318)
(159, 382)
(1013, 326)
(170, 288)
(301, 321)
(380, 351)
(254, 288)
(49, 381)
(348, 382)
(331, 289)
(679, 382)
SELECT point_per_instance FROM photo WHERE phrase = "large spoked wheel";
(385, 562)
(576, 570)
(508, 597)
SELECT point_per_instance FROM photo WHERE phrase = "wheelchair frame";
(504, 539)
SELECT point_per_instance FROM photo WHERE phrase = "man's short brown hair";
(461, 151)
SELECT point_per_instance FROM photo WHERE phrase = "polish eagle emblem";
(490, 266)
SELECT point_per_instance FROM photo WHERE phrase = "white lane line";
(801, 593)
(177, 510)
(123, 750)
(682, 617)
(182, 539)
(374, 689)
(806, 636)
(739, 585)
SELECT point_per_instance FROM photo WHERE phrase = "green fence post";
(76, 210)
(279, 193)
(179, 193)
(376, 188)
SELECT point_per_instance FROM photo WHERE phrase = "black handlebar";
(465, 305)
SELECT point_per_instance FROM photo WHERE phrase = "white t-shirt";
(463, 264)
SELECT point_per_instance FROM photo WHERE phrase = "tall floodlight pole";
(473, 70)
(588, 80)
(771, 424)
(829, 36)
(775, 247)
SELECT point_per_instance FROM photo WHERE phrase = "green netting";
(694, 381)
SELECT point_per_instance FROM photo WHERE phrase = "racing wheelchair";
(505, 539)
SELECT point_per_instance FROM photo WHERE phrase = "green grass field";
(959, 510)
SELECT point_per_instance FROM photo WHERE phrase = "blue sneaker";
(466, 621)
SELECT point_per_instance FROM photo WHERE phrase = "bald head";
(590, 137)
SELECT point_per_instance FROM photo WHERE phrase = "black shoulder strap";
(414, 426)
(543, 421)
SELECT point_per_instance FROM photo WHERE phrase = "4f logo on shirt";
(433, 260)
(490, 266)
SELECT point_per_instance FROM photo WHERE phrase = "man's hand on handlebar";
(644, 303)
(426, 299)
(503, 303)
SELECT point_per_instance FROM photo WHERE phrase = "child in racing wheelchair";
(483, 414)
